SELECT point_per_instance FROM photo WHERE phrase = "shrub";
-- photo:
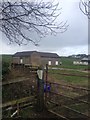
(5, 68)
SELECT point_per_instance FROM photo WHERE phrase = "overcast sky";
(73, 41)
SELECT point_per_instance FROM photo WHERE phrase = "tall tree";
(84, 6)
(19, 19)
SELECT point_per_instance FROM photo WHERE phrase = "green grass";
(68, 63)
(67, 60)
(72, 80)
(27, 112)
(76, 80)
(74, 72)
(82, 107)
(83, 67)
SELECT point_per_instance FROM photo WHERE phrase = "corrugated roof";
(42, 54)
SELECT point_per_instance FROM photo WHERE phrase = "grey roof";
(46, 54)
(23, 54)
(42, 54)
(86, 59)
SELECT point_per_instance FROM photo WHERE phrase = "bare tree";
(20, 19)
(84, 6)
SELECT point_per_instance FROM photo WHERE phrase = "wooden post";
(46, 84)
(40, 91)
(46, 73)
(18, 110)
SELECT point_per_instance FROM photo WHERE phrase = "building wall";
(16, 60)
(80, 63)
(46, 60)
(35, 59)
(25, 60)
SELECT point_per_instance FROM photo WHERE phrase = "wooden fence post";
(40, 91)
(18, 110)
(46, 85)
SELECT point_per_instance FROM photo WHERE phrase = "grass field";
(69, 78)
(68, 63)
(69, 68)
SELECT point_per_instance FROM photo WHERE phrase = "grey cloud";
(76, 35)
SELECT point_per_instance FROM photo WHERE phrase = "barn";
(35, 58)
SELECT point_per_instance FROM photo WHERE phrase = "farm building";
(83, 61)
(35, 58)
(86, 60)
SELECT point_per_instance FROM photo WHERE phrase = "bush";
(5, 68)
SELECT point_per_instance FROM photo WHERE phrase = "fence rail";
(57, 104)
(56, 97)
(65, 74)
(65, 101)
(69, 85)
(13, 108)
(21, 87)
(18, 101)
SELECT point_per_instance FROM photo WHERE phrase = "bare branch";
(19, 19)
(84, 6)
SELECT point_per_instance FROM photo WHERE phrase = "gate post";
(40, 90)
(46, 84)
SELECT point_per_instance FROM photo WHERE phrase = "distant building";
(78, 56)
(83, 61)
(34, 58)
(86, 59)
